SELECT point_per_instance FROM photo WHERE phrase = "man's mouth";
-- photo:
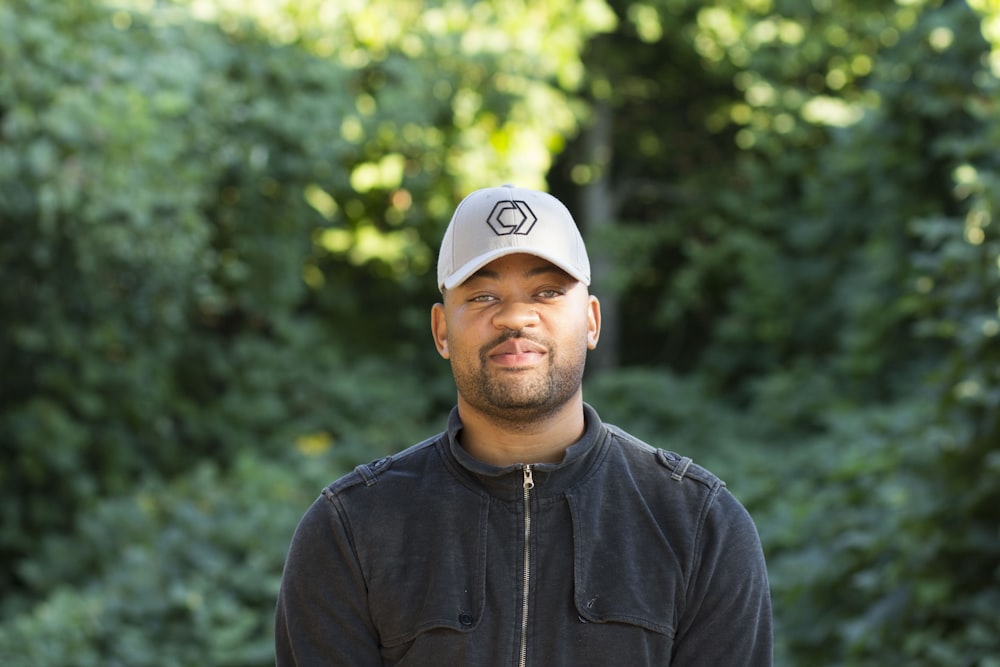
(517, 352)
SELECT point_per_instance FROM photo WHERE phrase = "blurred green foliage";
(218, 226)
(174, 574)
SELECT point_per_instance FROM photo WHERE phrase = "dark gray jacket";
(621, 554)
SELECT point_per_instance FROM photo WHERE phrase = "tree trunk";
(597, 216)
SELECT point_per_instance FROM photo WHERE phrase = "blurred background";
(218, 229)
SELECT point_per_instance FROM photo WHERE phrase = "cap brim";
(465, 271)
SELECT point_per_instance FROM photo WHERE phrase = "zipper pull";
(529, 483)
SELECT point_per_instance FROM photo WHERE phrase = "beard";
(519, 397)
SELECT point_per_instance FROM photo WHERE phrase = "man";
(529, 532)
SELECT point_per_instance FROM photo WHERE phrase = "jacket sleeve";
(727, 612)
(322, 610)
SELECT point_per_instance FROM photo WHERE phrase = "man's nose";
(515, 314)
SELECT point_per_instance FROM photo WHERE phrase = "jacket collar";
(551, 479)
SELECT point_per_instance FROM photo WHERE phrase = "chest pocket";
(427, 573)
(646, 597)
(632, 559)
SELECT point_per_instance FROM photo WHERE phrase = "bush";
(876, 555)
(114, 133)
(176, 574)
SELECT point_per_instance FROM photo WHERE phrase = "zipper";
(529, 484)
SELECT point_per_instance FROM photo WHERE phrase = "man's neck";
(506, 442)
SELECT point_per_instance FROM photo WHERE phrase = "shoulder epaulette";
(684, 467)
(368, 473)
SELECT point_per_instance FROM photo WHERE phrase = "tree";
(206, 222)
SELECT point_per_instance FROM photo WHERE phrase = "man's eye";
(482, 298)
(549, 293)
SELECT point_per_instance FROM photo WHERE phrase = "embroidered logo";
(511, 217)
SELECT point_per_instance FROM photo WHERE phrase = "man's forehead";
(518, 264)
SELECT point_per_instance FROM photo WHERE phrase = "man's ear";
(593, 322)
(439, 329)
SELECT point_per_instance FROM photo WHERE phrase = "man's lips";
(517, 352)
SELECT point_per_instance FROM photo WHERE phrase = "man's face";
(517, 334)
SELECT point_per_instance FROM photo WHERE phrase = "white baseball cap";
(494, 222)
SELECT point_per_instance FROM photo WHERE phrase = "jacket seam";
(699, 544)
(344, 518)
